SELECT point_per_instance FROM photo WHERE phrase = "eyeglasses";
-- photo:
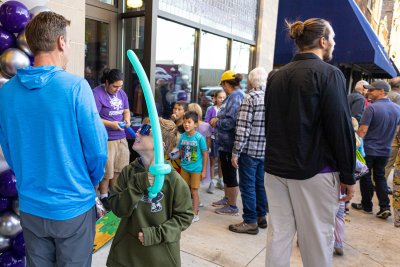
(145, 129)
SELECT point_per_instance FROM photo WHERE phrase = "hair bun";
(296, 29)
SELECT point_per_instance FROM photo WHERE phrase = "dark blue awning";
(356, 41)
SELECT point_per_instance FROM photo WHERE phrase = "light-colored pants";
(339, 226)
(393, 156)
(308, 207)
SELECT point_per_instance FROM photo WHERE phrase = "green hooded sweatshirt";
(161, 219)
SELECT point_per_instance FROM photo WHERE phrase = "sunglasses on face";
(145, 129)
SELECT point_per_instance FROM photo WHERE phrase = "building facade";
(384, 17)
(184, 46)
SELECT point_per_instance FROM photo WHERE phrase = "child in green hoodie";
(150, 229)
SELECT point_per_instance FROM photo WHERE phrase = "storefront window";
(231, 16)
(96, 50)
(174, 65)
(109, 2)
(134, 40)
(213, 53)
(240, 60)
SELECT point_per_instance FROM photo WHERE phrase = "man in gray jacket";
(356, 100)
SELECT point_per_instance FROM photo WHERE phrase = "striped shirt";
(250, 126)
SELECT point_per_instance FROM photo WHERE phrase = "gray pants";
(308, 207)
(66, 243)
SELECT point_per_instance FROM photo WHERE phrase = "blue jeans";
(376, 165)
(251, 184)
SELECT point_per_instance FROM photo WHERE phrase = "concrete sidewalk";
(369, 241)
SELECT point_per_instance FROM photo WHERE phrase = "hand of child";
(141, 238)
(203, 175)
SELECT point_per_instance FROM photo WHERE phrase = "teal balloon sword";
(159, 168)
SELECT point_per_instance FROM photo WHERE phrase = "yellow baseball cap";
(228, 75)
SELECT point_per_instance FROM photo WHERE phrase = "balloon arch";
(14, 54)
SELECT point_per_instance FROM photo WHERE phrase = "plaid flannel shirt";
(250, 126)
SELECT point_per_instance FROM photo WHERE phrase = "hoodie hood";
(37, 77)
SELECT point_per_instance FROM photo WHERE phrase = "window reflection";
(134, 30)
(240, 60)
(213, 53)
(96, 50)
(110, 2)
(174, 65)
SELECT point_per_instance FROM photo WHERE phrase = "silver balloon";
(15, 206)
(4, 243)
(38, 9)
(32, 3)
(13, 59)
(10, 225)
(3, 80)
(23, 44)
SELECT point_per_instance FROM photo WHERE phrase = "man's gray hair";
(360, 86)
(258, 77)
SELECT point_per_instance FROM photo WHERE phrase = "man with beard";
(310, 148)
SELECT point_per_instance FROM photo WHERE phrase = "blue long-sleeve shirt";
(53, 139)
(226, 123)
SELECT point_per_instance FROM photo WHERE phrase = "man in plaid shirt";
(248, 155)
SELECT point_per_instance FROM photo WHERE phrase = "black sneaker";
(262, 222)
(106, 205)
(358, 206)
(384, 213)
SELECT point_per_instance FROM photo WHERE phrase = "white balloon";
(32, 3)
(3, 164)
(38, 9)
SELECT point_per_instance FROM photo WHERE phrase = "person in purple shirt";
(112, 104)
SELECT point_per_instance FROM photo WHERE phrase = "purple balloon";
(31, 60)
(9, 259)
(5, 204)
(7, 40)
(18, 245)
(8, 184)
(14, 16)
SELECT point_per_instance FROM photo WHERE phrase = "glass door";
(101, 42)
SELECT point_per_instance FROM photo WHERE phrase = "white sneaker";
(220, 184)
(196, 218)
(211, 187)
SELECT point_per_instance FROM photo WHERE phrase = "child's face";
(143, 142)
(189, 125)
(220, 98)
(178, 111)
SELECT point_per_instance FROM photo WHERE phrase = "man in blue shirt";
(53, 139)
(378, 126)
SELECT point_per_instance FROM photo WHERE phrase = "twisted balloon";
(159, 169)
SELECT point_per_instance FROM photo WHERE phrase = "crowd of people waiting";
(290, 137)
